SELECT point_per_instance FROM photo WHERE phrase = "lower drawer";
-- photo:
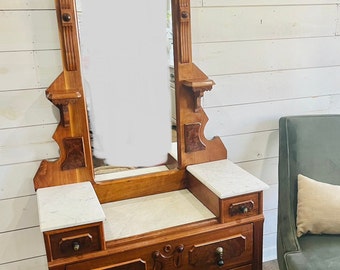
(245, 267)
(224, 253)
(133, 265)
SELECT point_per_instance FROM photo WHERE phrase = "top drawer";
(230, 208)
(74, 241)
(240, 207)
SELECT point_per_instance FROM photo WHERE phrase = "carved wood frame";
(72, 134)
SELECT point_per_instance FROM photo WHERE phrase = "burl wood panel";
(75, 157)
(193, 141)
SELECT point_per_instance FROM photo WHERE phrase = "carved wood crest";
(169, 258)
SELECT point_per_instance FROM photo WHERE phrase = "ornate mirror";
(73, 133)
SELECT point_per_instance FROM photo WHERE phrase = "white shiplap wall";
(268, 58)
(29, 62)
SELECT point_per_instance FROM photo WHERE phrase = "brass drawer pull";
(219, 252)
(76, 246)
(241, 208)
(75, 242)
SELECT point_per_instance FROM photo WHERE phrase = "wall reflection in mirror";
(128, 78)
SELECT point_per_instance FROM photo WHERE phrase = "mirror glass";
(127, 69)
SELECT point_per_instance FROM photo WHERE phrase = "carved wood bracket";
(198, 87)
(62, 101)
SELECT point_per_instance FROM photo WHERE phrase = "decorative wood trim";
(68, 29)
(169, 258)
(185, 31)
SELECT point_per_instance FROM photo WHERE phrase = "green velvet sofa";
(308, 145)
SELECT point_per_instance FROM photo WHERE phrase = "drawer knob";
(244, 209)
(219, 252)
(67, 17)
(76, 246)
(241, 208)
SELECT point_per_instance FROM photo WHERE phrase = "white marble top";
(77, 204)
(141, 215)
(226, 179)
(68, 205)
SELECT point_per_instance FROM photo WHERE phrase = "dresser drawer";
(74, 241)
(133, 265)
(239, 207)
(225, 253)
(245, 267)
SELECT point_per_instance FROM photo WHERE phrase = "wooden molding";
(68, 17)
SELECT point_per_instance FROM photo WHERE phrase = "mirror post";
(190, 84)
(66, 92)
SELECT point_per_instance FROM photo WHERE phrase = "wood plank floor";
(271, 265)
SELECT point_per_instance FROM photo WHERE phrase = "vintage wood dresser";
(199, 211)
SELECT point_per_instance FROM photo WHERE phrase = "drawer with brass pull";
(74, 241)
(241, 206)
(224, 253)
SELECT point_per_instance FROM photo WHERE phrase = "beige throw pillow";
(318, 207)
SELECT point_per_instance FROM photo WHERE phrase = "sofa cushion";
(316, 252)
(318, 207)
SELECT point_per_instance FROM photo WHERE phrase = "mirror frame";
(72, 135)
